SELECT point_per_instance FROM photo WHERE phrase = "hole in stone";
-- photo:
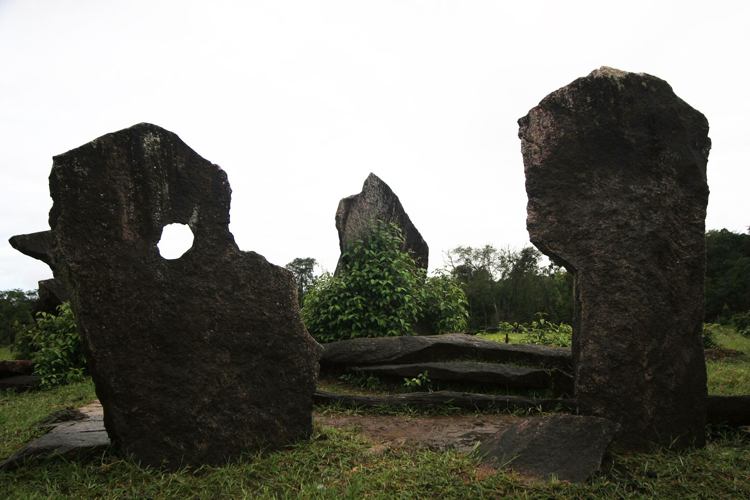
(176, 239)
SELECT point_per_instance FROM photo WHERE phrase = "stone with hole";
(615, 169)
(197, 359)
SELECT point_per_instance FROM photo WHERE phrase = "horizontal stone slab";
(465, 400)
(16, 367)
(516, 377)
(430, 348)
(728, 410)
(20, 383)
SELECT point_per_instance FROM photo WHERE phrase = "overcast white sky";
(299, 100)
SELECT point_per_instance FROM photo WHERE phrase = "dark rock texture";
(195, 359)
(356, 214)
(430, 348)
(615, 169)
(10, 367)
(19, 383)
(728, 410)
(566, 447)
(40, 245)
(472, 372)
(443, 399)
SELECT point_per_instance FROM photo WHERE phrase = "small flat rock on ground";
(83, 434)
(518, 377)
(566, 447)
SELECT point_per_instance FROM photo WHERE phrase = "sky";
(298, 101)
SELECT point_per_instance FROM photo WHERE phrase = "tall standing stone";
(615, 169)
(356, 214)
(197, 359)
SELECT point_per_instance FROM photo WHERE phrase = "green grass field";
(340, 464)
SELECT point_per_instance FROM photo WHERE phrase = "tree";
(727, 274)
(303, 270)
(16, 309)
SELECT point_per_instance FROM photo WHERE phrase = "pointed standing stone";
(357, 213)
(615, 169)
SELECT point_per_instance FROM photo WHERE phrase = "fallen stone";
(198, 359)
(473, 372)
(564, 447)
(16, 367)
(356, 214)
(431, 348)
(615, 169)
(445, 399)
(19, 383)
(69, 438)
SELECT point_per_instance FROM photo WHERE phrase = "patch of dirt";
(718, 354)
(458, 432)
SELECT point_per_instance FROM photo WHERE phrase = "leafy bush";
(379, 291)
(741, 322)
(53, 344)
(420, 382)
(543, 332)
(444, 305)
(709, 336)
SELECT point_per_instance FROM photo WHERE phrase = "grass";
(341, 464)
(5, 352)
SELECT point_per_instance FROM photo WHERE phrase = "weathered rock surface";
(514, 377)
(566, 447)
(19, 383)
(75, 437)
(615, 169)
(11, 367)
(728, 410)
(431, 348)
(197, 359)
(40, 245)
(443, 399)
(357, 213)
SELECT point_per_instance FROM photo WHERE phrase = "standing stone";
(197, 359)
(615, 169)
(356, 214)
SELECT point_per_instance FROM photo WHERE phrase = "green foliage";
(543, 332)
(741, 322)
(419, 383)
(709, 337)
(53, 344)
(379, 291)
(727, 274)
(362, 381)
(444, 305)
(511, 286)
(303, 270)
(15, 313)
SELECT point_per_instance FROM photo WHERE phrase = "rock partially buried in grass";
(198, 359)
(615, 169)
(564, 447)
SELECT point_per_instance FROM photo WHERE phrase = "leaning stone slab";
(356, 214)
(196, 360)
(615, 169)
(514, 377)
(564, 447)
(431, 348)
(83, 435)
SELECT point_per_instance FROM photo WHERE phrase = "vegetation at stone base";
(727, 275)
(379, 291)
(729, 376)
(510, 286)
(342, 464)
(15, 313)
(5, 353)
(54, 345)
(303, 269)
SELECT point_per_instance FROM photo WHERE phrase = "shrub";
(53, 344)
(379, 291)
(444, 305)
(543, 332)
(376, 292)
(741, 322)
